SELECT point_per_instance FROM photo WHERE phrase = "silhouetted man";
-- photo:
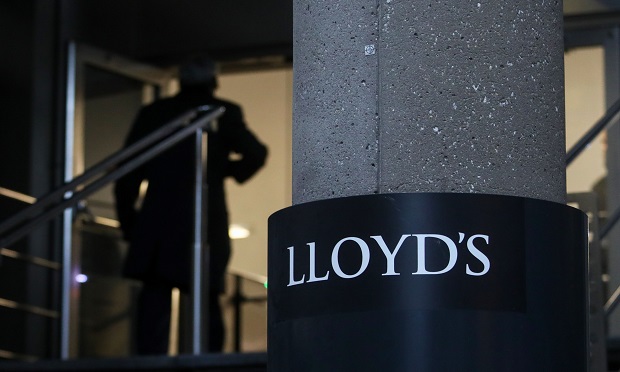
(161, 231)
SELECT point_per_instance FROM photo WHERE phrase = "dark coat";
(161, 232)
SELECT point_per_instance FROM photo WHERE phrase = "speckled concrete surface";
(428, 96)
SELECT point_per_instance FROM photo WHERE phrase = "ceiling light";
(237, 231)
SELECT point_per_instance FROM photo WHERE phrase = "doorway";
(109, 90)
(105, 93)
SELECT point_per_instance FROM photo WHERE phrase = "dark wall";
(16, 37)
(28, 65)
(163, 31)
(27, 149)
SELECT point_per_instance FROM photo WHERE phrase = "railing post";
(200, 256)
(66, 255)
(237, 299)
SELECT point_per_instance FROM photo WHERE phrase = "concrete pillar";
(428, 96)
(422, 97)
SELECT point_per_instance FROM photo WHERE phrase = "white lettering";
(291, 274)
(422, 253)
(479, 255)
(389, 255)
(313, 277)
(365, 257)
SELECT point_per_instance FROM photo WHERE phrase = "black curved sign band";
(445, 272)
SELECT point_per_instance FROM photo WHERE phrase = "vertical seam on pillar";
(378, 97)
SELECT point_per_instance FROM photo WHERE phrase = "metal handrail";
(612, 302)
(615, 217)
(260, 279)
(596, 129)
(614, 299)
(15, 195)
(5, 252)
(23, 223)
(238, 299)
(104, 165)
(37, 310)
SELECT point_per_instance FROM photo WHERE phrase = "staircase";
(40, 328)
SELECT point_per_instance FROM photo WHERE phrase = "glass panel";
(585, 104)
(111, 102)
(269, 116)
(245, 314)
(587, 177)
(106, 302)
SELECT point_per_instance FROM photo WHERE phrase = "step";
(245, 362)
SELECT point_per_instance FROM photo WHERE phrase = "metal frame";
(200, 252)
(80, 55)
(65, 281)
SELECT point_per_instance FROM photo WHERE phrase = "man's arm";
(245, 143)
(126, 191)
